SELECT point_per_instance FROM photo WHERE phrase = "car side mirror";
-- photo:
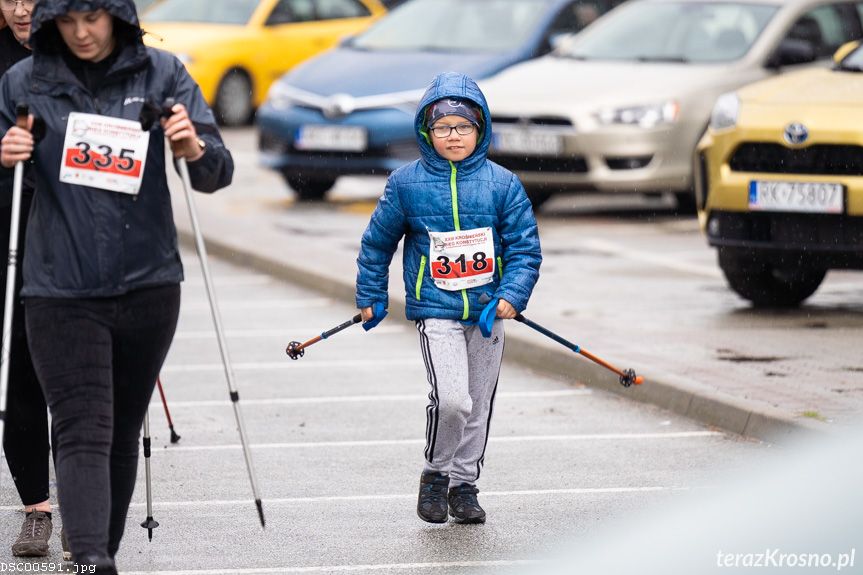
(792, 51)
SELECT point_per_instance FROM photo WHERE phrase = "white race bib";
(463, 259)
(104, 152)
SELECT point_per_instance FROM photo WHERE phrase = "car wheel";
(766, 284)
(309, 188)
(538, 196)
(233, 105)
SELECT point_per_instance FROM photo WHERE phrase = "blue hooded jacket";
(433, 194)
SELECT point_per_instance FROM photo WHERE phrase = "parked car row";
(350, 110)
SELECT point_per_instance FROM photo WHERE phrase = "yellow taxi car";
(779, 181)
(235, 49)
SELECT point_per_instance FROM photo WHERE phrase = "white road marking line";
(295, 365)
(286, 333)
(670, 262)
(399, 496)
(199, 306)
(157, 402)
(345, 568)
(390, 497)
(398, 442)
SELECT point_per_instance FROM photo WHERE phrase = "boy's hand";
(373, 315)
(505, 310)
(17, 145)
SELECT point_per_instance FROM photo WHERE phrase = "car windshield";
(673, 32)
(455, 26)
(205, 11)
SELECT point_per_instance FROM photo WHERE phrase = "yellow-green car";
(779, 181)
(235, 49)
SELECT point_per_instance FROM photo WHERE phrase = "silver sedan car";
(621, 107)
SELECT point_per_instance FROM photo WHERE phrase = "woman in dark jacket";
(102, 271)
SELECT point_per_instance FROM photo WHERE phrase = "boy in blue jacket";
(471, 258)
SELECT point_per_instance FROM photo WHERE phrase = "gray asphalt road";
(338, 438)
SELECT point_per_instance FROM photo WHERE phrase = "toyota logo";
(339, 105)
(796, 134)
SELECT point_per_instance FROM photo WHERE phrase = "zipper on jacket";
(420, 276)
(453, 187)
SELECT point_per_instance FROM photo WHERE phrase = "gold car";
(235, 49)
(779, 181)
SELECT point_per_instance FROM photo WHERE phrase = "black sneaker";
(34, 536)
(431, 504)
(463, 505)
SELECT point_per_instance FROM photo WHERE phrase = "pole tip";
(639, 380)
(260, 507)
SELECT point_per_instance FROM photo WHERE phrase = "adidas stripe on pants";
(463, 369)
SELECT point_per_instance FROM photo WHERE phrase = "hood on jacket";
(46, 39)
(452, 85)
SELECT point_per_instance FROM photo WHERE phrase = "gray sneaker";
(34, 536)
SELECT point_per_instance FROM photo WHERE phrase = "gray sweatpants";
(463, 369)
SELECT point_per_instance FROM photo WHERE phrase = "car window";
(206, 11)
(674, 31)
(481, 26)
(287, 11)
(821, 27)
(333, 9)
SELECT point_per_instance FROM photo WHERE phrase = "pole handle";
(22, 115)
(356, 319)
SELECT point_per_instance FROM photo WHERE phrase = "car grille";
(534, 121)
(815, 231)
(574, 164)
(822, 159)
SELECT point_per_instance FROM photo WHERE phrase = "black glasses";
(445, 131)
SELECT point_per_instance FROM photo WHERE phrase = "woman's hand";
(17, 145)
(505, 310)
(367, 313)
(180, 131)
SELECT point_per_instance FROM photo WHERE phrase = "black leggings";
(97, 361)
(25, 439)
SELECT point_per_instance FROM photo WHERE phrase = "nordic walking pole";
(149, 524)
(174, 437)
(296, 350)
(183, 168)
(21, 115)
(627, 377)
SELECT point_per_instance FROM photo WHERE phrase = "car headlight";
(725, 112)
(279, 96)
(648, 116)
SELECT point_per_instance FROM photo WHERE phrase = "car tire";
(309, 189)
(766, 284)
(233, 105)
(538, 196)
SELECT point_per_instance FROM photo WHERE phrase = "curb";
(661, 389)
